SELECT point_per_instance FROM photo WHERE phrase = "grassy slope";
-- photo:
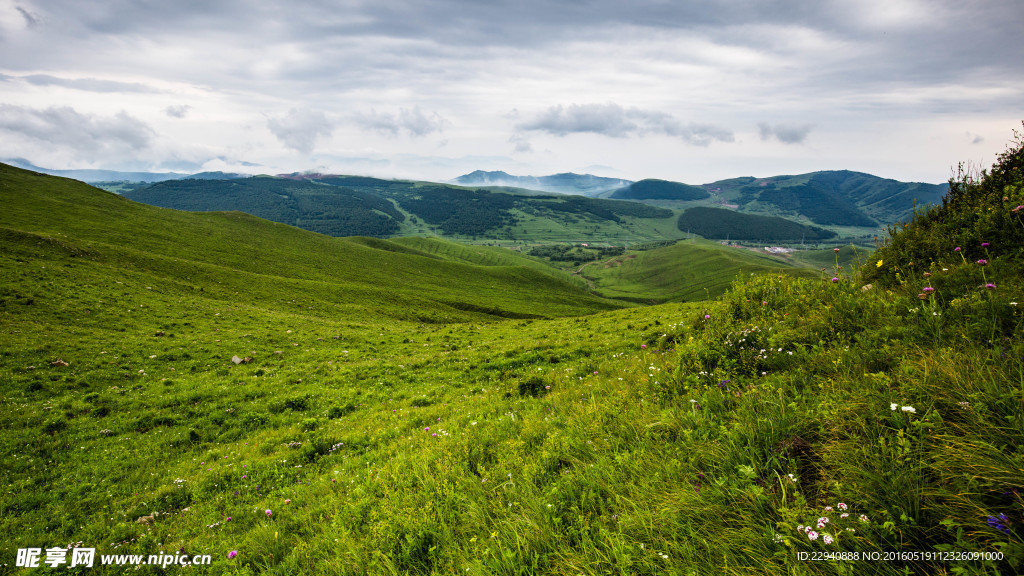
(230, 252)
(660, 440)
(685, 271)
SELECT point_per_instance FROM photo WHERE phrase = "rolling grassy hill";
(686, 271)
(228, 254)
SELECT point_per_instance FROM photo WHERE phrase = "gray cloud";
(88, 134)
(31, 20)
(299, 129)
(522, 143)
(413, 122)
(785, 133)
(617, 122)
(177, 111)
(86, 84)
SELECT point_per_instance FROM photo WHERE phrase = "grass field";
(687, 271)
(214, 384)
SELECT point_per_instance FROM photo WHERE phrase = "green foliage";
(652, 189)
(721, 223)
(980, 219)
(832, 198)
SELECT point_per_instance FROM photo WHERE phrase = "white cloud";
(617, 122)
(413, 122)
(300, 129)
(785, 133)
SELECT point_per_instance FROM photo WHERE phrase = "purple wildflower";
(927, 289)
(268, 513)
(990, 286)
(985, 244)
(232, 554)
(982, 262)
(999, 523)
(957, 249)
(835, 279)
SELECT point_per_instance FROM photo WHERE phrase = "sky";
(692, 91)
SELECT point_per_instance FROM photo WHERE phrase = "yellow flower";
(879, 265)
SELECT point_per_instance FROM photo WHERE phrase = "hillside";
(651, 189)
(830, 198)
(191, 385)
(686, 271)
(727, 224)
(352, 205)
(234, 256)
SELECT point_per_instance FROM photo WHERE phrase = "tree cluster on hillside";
(816, 200)
(575, 254)
(720, 223)
(332, 210)
(461, 212)
(653, 189)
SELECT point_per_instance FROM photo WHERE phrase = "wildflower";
(835, 279)
(836, 250)
(985, 244)
(927, 274)
(982, 262)
(844, 515)
(268, 513)
(287, 500)
(893, 407)
(828, 508)
(957, 249)
(826, 539)
(909, 409)
(812, 535)
(232, 554)
(643, 346)
(244, 476)
(879, 265)
(791, 477)
(990, 286)
(800, 528)
(999, 523)
(707, 316)
(842, 506)
(863, 518)
(964, 405)
(922, 296)
(928, 289)
(426, 429)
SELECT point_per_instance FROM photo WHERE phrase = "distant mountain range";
(565, 183)
(828, 198)
(93, 176)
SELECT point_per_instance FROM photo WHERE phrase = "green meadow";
(289, 403)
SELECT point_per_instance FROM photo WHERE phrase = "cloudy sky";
(692, 91)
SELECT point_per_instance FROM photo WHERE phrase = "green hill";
(682, 272)
(196, 385)
(720, 223)
(651, 189)
(830, 198)
(240, 257)
(351, 205)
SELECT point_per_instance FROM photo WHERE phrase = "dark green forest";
(653, 189)
(721, 223)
